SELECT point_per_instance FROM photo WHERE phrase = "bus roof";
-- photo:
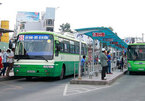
(137, 44)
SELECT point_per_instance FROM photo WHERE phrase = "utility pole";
(142, 37)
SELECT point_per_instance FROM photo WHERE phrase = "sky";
(126, 17)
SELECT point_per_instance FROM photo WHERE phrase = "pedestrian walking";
(109, 63)
(83, 64)
(10, 61)
(5, 64)
(104, 64)
(122, 62)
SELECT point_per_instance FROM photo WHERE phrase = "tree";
(65, 28)
(115, 33)
(111, 29)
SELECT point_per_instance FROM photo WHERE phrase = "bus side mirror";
(58, 47)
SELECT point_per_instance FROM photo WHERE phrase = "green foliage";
(65, 28)
(111, 29)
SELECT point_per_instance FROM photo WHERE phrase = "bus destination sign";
(33, 37)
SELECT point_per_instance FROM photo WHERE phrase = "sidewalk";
(96, 80)
(11, 76)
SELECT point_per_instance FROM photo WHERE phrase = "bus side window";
(77, 49)
(65, 47)
(57, 48)
(72, 49)
(61, 47)
(68, 48)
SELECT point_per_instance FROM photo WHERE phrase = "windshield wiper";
(24, 57)
(18, 58)
(42, 57)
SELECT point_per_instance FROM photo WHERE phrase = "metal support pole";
(74, 71)
(93, 54)
(101, 44)
(142, 37)
(80, 61)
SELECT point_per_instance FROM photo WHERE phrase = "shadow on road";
(136, 73)
(45, 79)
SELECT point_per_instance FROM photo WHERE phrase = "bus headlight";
(50, 66)
(129, 65)
(46, 66)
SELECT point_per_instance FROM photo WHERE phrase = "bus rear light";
(45, 66)
(46, 70)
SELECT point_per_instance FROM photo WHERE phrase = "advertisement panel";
(5, 36)
(27, 16)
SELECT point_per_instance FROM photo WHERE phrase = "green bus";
(136, 57)
(46, 54)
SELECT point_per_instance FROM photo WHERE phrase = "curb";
(100, 82)
(114, 79)
(9, 78)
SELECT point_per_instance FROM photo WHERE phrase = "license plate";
(140, 69)
(30, 71)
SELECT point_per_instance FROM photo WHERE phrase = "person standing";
(1, 57)
(1, 65)
(5, 64)
(104, 64)
(109, 63)
(10, 61)
(122, 62)
(83, 64)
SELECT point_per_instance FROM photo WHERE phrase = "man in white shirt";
(10, 61)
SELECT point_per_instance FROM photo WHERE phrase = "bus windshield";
(136, 52)
(34, 46)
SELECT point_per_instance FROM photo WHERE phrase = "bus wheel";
(62, 74)
(28, 78)
(131, 73)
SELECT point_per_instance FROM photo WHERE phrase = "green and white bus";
(46, 54)
(136, 57)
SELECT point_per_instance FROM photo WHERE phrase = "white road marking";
(65, 90)
(79, 89)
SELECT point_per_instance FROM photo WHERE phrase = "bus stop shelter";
(104, 35)
(2, 30)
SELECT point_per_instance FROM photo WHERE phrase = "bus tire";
(131, 73)
(62, 74)
(29, 78)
